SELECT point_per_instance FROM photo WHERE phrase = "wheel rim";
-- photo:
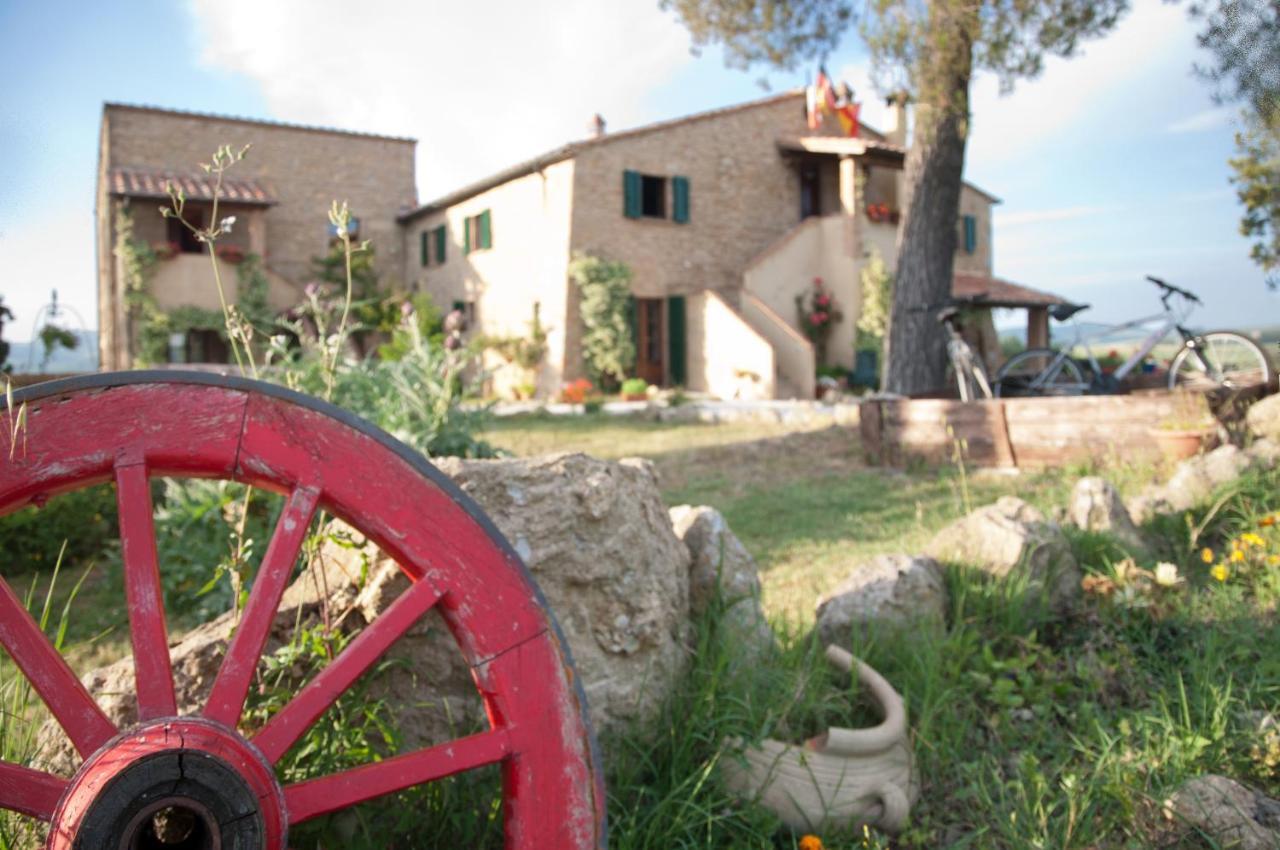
(1016, 377)
(1232, 362)
(132, 426)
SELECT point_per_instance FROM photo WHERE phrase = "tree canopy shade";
(932, 48)
(1243, 36)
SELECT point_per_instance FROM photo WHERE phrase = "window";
(970, 236)
(477, 233)
(181, 235)
(205, 346)
(646, 196)
(431, 246)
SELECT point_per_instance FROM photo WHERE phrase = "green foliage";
(31, 537)
(374, 309)
(421, 310)
(1256, 175)
(53, 337)
(877, 299)
(607, 344)
(527, 352)
(5, 313)
(635, 386)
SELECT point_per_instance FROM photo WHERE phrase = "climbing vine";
(154, 325)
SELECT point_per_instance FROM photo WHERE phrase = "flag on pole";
(847, 115)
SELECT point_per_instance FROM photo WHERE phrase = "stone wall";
(307, 168)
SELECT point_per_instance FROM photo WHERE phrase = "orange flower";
(811, 842)
(1267, 521)
(1206, 555)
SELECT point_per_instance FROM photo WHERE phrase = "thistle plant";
(239, 329)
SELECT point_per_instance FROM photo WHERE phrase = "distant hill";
(26, 357)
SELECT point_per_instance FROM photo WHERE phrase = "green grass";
(1030, 729)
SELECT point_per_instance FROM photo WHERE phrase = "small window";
(653, 196)
(206, 346)
(181, 235)
(431, 246)
(646, 196)
(970, 235)
(477, 233)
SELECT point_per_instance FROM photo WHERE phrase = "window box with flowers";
(233, 254)
(882, 213)
(818, 314)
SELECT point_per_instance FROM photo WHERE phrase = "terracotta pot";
(1180, 445)
(635, 396)
(842, 777)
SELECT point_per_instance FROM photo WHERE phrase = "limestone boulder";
(1263, 418)
(596, 537)
(1096, 506)
(722, 569)
(1195, 479)
(1264, 452)
(1229, 813)
(888, 589)
(1012, 538)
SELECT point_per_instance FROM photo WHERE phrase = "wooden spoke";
(296, 717)
(153, 672)
(315, 797)
(226, 701)
(72, 706)
(30, 792)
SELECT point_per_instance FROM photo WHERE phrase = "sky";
(1110, 166)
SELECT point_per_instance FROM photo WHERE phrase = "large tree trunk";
(916, 348)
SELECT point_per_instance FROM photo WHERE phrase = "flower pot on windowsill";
(1183, 443)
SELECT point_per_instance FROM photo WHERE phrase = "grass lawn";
(801, 501)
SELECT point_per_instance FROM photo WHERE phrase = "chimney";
(896, 127)
(596, 127)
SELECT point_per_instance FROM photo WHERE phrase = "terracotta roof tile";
(197, 186)
(994, 292)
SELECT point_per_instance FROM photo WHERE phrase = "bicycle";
(1213, 360)
(971, 376)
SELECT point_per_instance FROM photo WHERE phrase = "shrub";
(607, 346)
(635, 386)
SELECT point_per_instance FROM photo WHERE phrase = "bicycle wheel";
(1223, 359)
(1038, 371)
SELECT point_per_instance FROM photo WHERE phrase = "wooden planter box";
(1018, 432)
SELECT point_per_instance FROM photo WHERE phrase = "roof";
(994, 292)
(196, 186)
(261, 122)
(536, 164)
(844, 145)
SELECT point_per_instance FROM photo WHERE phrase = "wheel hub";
(174, 784)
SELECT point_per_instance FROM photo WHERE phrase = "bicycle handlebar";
(1170, 289)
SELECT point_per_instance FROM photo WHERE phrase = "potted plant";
(1188, 429)
(635, 389)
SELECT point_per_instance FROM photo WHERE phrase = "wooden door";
(649, 341)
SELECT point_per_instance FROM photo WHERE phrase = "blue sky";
(1112, 165)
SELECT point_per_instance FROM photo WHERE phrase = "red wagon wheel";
(129, 427)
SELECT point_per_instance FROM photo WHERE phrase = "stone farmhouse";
(724, 218)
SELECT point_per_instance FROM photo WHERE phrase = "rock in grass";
(1011, 539)
(889, 589)
(1263, 418)
(1096, 506)
(722, 571)
(1229, 813)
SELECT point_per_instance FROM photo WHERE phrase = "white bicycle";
(1207, 361)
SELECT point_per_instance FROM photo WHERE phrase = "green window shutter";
(466, 235)
(485, 230)
(680, 199)
(676, 343)
(423, 246)
(440, 244)
(970, 234)
(631, 191)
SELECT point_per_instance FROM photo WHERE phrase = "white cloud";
(1209, 119)
(480, 86)
(1010, 126)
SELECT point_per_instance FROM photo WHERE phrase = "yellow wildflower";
(1274, 560)
(1237, 555)
(1219, 572)
(1251, 539)
(1206, 555)
(811, 842)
